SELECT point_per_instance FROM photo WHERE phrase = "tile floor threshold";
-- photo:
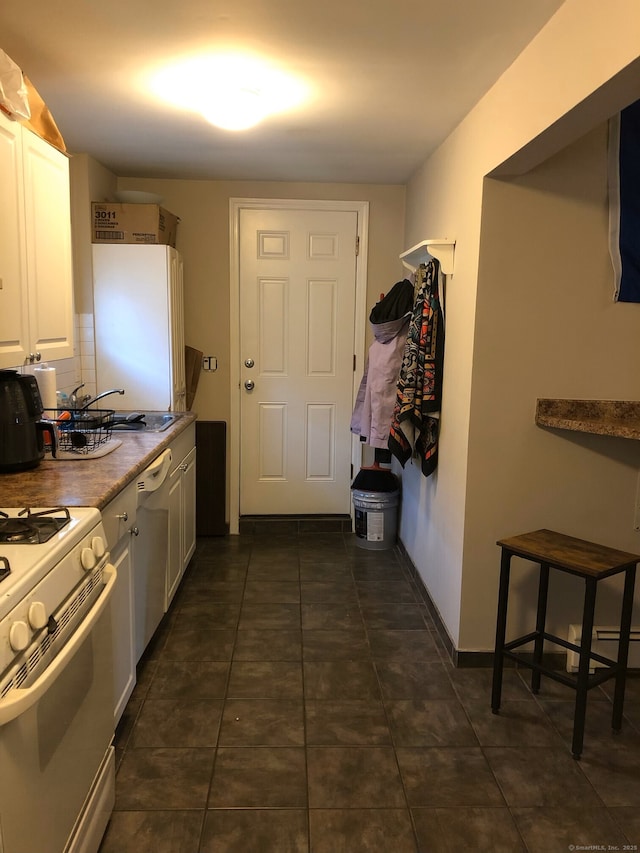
(294, 524)
(297, 697)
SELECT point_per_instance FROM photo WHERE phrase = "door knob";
(249, 384)
(249, 362)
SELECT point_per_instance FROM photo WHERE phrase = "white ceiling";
(390, 79)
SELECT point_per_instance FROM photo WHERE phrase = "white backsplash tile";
(70, 372)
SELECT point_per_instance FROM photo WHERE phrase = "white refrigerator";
(139, 325)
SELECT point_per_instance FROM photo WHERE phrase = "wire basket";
(81, 431)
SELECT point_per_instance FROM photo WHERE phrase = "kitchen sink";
(159, 422)
(143, 421)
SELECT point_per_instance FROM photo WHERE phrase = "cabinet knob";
(135, 531)
(34, 356)
(124, 516)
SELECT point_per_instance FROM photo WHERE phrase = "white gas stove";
(45, 553)
(56, 679)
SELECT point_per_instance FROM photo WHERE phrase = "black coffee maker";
(21, 428)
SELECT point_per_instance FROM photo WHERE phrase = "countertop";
(89, 482)
(619, 418)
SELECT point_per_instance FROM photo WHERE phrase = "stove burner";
(32, 528)
(15, 530)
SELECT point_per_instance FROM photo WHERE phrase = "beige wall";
(89, 182)
(203, 240)
(566, 82)
(547, 326)
(579, 70)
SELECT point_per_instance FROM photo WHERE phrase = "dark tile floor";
(297, 698)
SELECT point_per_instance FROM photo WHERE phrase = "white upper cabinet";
(14, 299)
(36, 276)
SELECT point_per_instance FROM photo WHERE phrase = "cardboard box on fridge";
(132, 223)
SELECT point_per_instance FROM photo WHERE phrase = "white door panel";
(273, 442)
(320, 441)
(297, 305)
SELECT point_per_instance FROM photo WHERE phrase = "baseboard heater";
(604, 642)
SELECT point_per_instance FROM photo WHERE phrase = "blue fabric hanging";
(624, 202)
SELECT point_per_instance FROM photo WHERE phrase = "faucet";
(90, 402)
(73, 397)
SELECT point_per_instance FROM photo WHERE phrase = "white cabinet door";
(48, 240)
(119, 519)
(174, 562)
(182, 509)
(188, 507)
(122, 620)
(36, 284)
(14, 302)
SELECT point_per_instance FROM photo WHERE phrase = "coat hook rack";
(441, 250)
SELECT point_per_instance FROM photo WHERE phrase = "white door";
(297, 306)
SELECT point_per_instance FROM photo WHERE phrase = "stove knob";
(88, 559)
(37, 615)
(19, 636)
(99, 548)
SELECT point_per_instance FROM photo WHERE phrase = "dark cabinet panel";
(211, 478)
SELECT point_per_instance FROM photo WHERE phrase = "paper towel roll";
(46, 378)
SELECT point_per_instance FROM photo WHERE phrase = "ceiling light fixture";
(232, 91)
(235, 107)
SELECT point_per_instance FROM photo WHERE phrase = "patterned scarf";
(419, 389)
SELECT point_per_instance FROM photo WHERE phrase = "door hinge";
(357, 246)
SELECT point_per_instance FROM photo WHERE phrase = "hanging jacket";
(389, 321)
(415, 419)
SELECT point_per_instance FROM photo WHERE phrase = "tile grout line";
(224, 706)
(388, 722)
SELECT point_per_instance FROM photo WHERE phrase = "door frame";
(236, 205)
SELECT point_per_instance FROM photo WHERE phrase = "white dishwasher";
(151, 549)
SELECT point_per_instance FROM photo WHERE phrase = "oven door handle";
(20, 699)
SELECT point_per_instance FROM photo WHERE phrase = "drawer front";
(182, 445)
(120, 514)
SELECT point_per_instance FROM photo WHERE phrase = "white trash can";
(376, 516)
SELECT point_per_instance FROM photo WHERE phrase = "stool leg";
(582, 684)
(623, 647)
(541, 618)
(501, 629)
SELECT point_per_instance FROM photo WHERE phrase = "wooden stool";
(593, 563)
